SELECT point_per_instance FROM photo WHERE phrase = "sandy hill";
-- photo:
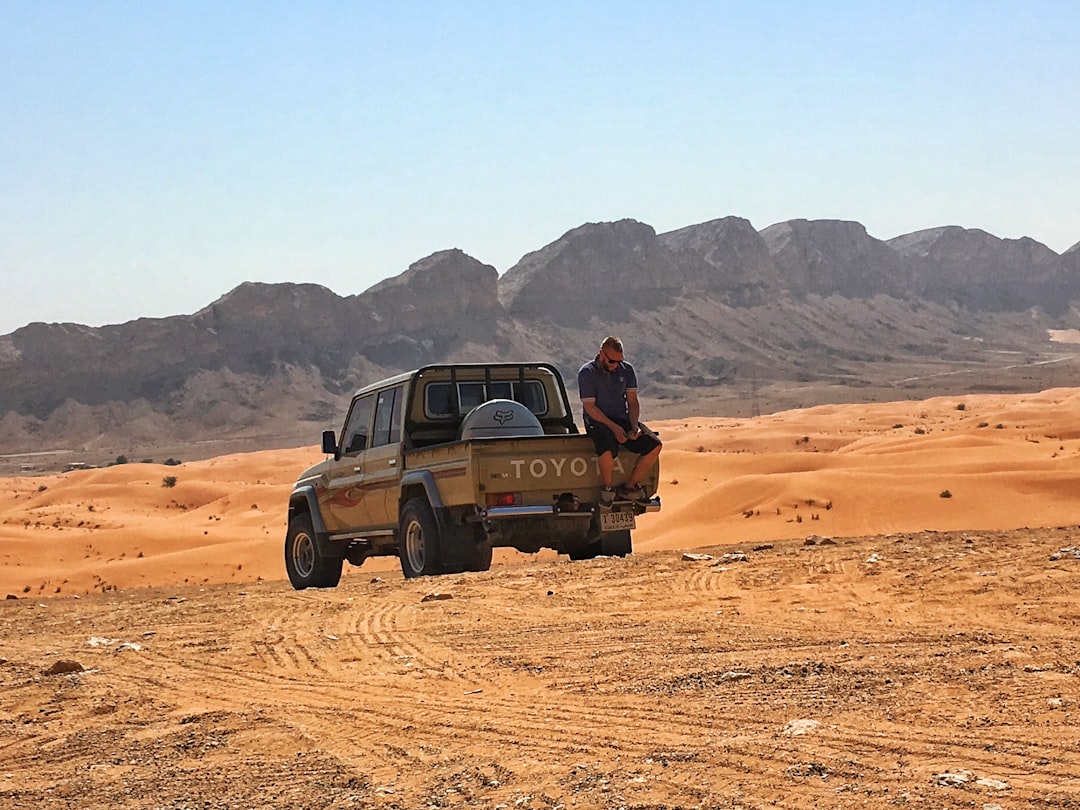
(971, 462)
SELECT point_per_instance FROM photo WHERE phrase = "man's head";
(611, 353)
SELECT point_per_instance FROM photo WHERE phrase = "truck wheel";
(462, 552)
(306, 566)
(481, 561)
(609, 544)
(616, 544)
(418, 540)
(586, 552)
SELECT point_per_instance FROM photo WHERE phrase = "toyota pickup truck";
(440, 465)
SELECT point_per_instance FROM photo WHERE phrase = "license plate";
(616, 521)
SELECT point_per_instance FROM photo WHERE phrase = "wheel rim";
(303, 554)
(414, 545)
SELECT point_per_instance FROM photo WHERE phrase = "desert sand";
(841, 606)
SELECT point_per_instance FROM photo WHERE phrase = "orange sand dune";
(970, 462)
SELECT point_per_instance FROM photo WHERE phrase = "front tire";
(306, 565)
(419, 541)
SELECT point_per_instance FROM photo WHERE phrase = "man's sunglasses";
(607, 360)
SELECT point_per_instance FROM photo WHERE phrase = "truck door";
(346, 506)
(382, 461)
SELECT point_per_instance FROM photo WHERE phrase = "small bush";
(945, 494)
(169, 481)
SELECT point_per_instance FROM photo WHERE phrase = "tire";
(462, 552)
(306, 565)
(419, 540)
(616, 544)
(585, 552)
(608, 544)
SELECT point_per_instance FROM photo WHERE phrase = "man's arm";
(598, 416)
(634, 408)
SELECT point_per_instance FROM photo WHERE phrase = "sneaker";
(607, 497)
(636, 494)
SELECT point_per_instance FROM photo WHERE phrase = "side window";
(437, 400)
(355, 438)
(387, 418)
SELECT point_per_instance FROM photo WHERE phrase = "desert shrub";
(945, 494)
(169, 481)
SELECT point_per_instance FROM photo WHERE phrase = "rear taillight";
(503, 499)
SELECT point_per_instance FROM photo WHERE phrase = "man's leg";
(643, 465)
(606, 462)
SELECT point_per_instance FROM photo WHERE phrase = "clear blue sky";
(153, 155)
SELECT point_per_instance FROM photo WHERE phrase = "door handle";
(357, 469)
(393, 462)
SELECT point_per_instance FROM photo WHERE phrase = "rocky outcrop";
(832, 257)
(602, 270)
(976, 269)
(726, 257)
(439, 304)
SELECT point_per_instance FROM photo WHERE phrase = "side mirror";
(329, 444)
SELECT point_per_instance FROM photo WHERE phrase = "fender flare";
(304, 499)
(425, 479)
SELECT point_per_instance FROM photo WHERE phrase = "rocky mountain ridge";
(717, 310)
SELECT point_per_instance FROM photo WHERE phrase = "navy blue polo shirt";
(608, 388)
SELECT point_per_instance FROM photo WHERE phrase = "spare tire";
(502, 418)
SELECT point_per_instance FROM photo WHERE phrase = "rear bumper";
(498, 512)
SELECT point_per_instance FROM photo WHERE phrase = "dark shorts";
(604, 439)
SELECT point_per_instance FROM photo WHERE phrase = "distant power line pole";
(755, 406)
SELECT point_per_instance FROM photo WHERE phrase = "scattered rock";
(953, 778)
(63, 666)
(689, 557)
(796, 728)
(819, 540)
(437, 597)
(11, 596)
(734, 556)
(873, 558)
(993, 784)
(1055, 703)
(1071, 551)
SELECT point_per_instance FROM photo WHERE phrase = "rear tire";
(616, 544)
(608, 544)
(462, 551)
(306, 565)
(419, 540)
